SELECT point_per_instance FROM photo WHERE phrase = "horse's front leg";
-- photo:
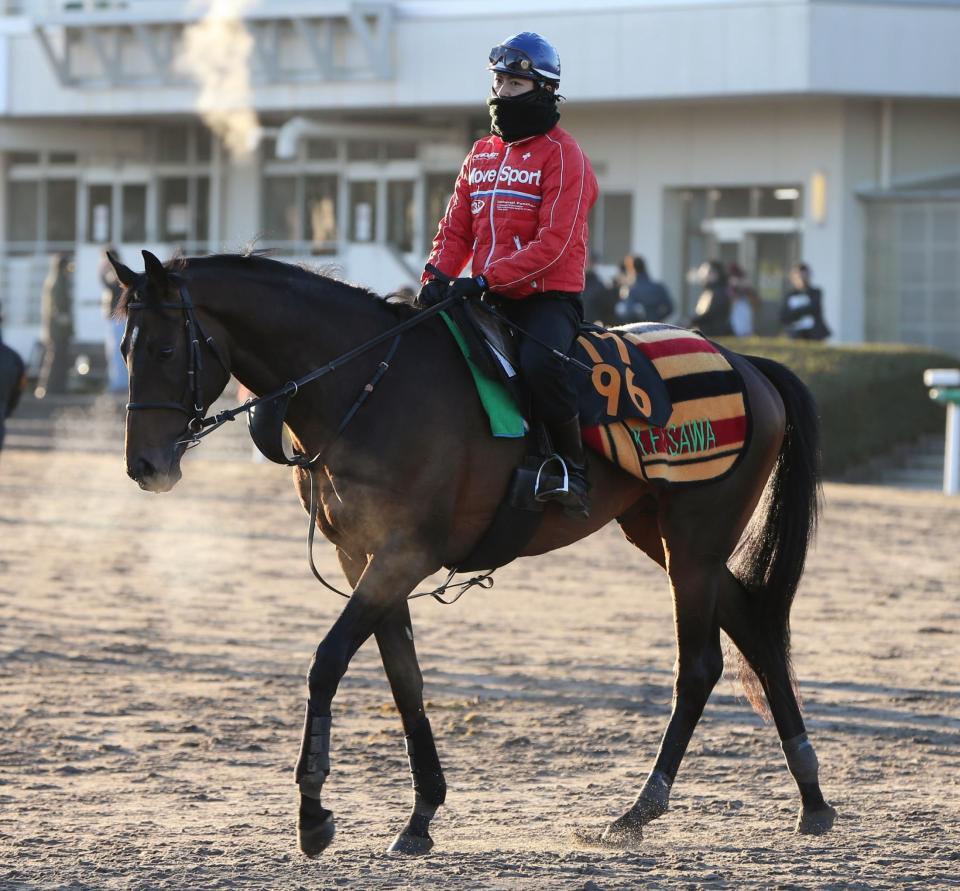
(389, 576)
(395, 639)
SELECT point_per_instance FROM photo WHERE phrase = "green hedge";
(871, 396)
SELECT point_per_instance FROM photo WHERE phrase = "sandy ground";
(152, 656)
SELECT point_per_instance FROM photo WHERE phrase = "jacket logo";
(508, 175)
(487, 155)
(526, 156)
(476, 205)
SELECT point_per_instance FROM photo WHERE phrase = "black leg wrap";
(801, 759)
(313, 765)
(428, 782)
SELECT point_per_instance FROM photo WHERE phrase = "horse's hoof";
(315, 833)
(626, 832)
(408, 843)
(816, 822)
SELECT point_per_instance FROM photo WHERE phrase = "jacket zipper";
(493, 201)
(516, 241)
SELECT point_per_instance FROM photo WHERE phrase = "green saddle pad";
(505, 418)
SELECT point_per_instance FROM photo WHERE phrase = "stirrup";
(562, 489)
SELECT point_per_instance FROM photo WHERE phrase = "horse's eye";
(166, 353)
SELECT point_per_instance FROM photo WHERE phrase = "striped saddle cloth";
(661, 402)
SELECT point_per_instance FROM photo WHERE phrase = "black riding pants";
(553, 318)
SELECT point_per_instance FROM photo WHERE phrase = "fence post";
(944, 384)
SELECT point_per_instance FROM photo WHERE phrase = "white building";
(761, 132)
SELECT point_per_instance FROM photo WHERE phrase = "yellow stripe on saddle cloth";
(709, 426)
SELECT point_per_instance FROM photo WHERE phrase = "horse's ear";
(125, 275)
(156, 274)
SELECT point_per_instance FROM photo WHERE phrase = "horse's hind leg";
(395, 639)
(693, 579)
(769, 662)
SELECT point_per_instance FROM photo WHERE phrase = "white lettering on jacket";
(508, 176)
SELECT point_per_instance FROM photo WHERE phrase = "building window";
(23, 211)
(363, 150)
(172, 203)
(401, 214)
(320, 212)
(439, 193)
(321, 149)
(133, 229)
(182, 188)
(280, 209)
(300, 212)
(99, 214)
(41, 214)
(611, 224)
(363, 211)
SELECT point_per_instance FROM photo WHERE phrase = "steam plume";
(216, 53)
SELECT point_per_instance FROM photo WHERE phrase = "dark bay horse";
(411, 484)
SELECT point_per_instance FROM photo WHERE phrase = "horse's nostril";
(142, 469)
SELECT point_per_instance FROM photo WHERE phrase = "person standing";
(802, 308)
(109, 300)
(712, 312)
(12, 382)
(599, 299)
(644, 300)
(520, 209)
(56, 324)
(744, 302)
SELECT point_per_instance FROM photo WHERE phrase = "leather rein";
(273, 407)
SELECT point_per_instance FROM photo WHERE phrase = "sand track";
(152, 655)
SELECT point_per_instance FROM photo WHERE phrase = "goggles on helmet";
(506, 58)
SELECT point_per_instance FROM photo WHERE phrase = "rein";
(200, 425)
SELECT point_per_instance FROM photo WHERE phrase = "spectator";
(56, 320)
(712, 312)
(744, 302)
(625, 276)
(802, 308)
(599, 299)
(12, 381)
(110, 298)
(644, 300)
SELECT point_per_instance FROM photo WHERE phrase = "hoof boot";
(315, 833)
(816, 822)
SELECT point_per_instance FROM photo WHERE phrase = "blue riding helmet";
(527, 55)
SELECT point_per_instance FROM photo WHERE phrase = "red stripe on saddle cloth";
(657, 349)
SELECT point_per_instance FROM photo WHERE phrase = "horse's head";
(176, 371)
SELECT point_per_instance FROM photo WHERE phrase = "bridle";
(267, 437)
(193, 393)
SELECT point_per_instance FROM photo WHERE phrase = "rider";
(520, 208)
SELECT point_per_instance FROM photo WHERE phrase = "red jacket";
(520, 209)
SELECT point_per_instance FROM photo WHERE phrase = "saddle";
(661, 402)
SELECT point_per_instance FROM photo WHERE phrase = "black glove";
(468, 287)
(432, 292)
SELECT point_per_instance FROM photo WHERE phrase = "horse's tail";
(770, 562)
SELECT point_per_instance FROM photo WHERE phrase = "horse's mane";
(304, 279)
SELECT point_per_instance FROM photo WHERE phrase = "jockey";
(520, 208)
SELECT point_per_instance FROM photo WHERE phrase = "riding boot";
(575, 498)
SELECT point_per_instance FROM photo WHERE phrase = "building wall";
(652, 148)
(926, 139)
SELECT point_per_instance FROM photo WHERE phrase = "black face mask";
(517, 117)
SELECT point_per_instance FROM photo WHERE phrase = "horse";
(411, 483)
